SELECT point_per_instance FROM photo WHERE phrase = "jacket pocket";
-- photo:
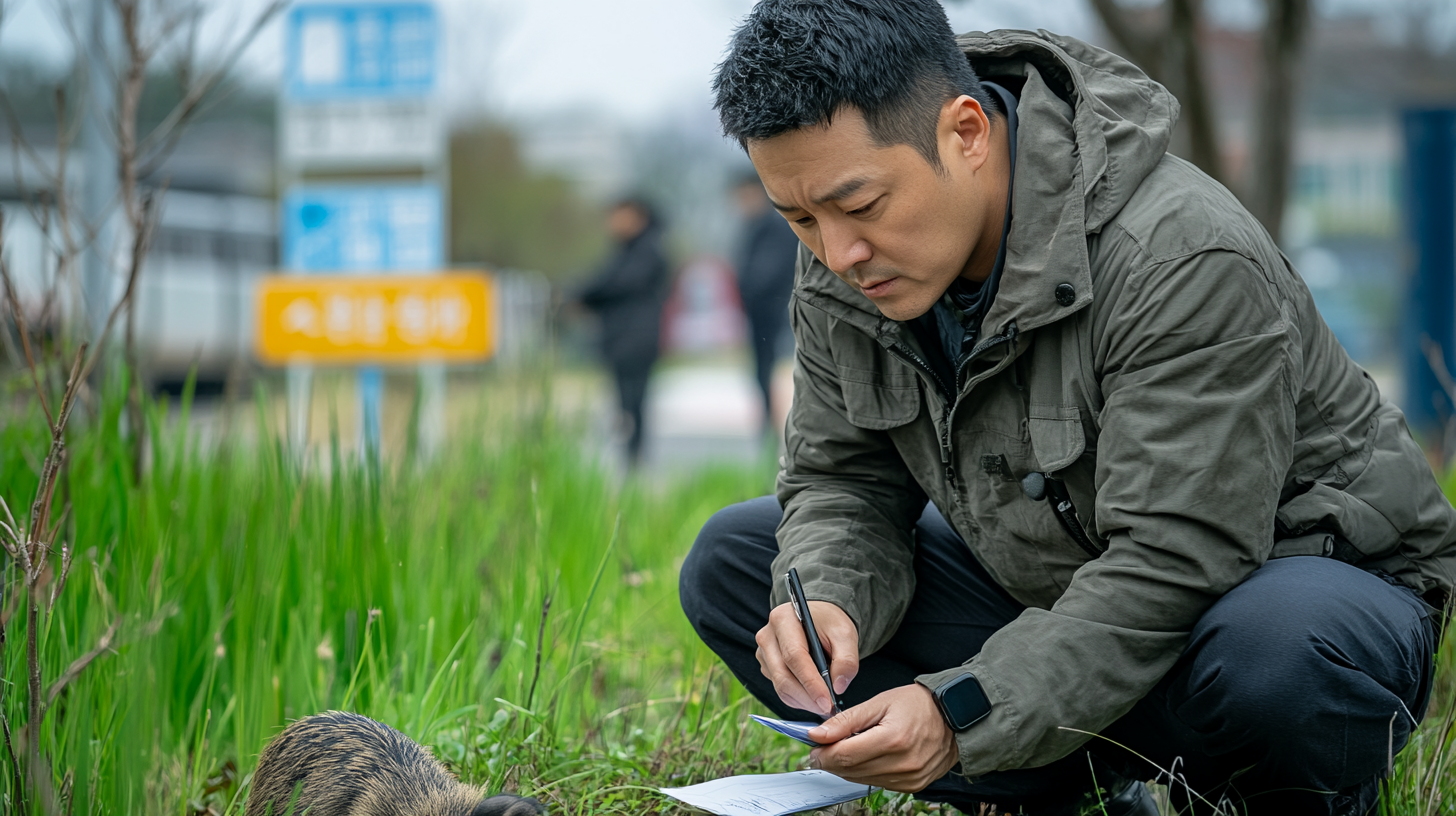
(878, 407)
(1057, 438)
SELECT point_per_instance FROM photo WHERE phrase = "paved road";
(697, 414)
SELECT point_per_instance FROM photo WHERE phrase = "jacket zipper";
(908, 355)
(951, 396)
(1060, 501)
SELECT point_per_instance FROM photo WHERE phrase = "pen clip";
(794, 600)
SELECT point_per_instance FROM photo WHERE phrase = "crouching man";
(1071, 451)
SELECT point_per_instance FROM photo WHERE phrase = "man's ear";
(967, 130)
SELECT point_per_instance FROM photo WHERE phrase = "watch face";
(963, 702)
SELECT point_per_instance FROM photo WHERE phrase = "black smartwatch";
(962, 702)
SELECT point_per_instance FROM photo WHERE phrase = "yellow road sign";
(374, 318)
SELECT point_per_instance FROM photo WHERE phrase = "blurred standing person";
(765, 266)
(627, 293)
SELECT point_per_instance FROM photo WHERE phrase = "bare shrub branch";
(73, 671)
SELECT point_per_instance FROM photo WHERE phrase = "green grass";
(253, 591)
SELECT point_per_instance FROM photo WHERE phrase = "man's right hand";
(783, 655)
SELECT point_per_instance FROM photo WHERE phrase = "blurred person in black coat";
(627, 293)
(765, 266)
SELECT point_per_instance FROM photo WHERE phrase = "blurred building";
(216, 233)
(1342, 227)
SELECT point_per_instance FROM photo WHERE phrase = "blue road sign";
(355, 50)
(363, 228)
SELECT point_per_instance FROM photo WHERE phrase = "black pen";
(816, 647)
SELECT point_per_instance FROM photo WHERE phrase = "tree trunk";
(1283, 43)
(1139, 46)
(1186, 60)
(133, 82)
(1172, 56)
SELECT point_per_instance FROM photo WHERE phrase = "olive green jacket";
(1149, 346)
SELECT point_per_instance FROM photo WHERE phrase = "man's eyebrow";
(844, 190)
(781, 207)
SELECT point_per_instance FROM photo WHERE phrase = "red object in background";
(704, 312)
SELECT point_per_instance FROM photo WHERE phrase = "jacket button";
(1066, 294)
(1034, 484)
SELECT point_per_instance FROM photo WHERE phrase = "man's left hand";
(896, 740)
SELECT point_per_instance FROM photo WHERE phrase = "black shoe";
(1358, 800)
(1126, 797)
(1132, 799)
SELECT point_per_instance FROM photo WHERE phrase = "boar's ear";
(507, 805)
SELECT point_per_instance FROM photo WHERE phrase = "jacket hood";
(1091, 127)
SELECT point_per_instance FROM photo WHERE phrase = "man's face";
(882, 218)
(625, 222)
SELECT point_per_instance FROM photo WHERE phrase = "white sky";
(642, 60)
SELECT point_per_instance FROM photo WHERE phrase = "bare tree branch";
(10, 350)
(1436, 359)
(24, 331)
(1184, 23)
(11, 540)
(67, 554)
(103, 645)
(147, 28)
(36, 706)
(20, 145)
(142, 233)
(19, 779)
(68, 249)
(164, 137)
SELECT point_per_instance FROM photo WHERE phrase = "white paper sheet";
(769, 794)
(789, 728)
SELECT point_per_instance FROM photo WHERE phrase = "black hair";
(795, 63)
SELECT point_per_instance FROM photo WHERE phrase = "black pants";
(766, 328)
(631, 377)
(1296, 679)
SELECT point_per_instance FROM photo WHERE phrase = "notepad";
(789, 728)
(769, 794)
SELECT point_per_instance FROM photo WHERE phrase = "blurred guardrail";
(522, 316)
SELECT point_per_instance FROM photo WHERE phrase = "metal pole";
(1430, 141)
(298, 376)
(369, 381)
(430, 433)
(300, 402)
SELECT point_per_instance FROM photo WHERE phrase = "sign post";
(364, 170)
(374, 319)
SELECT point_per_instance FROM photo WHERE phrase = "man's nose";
(843, 249)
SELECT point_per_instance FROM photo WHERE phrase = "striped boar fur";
(349, 765)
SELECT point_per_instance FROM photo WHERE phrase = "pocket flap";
(1057, 438)
(878, 407)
